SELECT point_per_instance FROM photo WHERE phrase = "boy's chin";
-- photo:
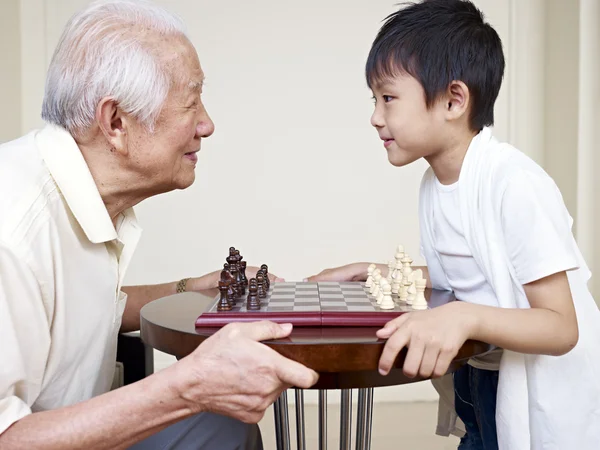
(399, 160)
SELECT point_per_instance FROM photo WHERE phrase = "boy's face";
(409, 129)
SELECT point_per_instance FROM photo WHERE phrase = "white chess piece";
(377, 284)
(387, 302)
(412, 293)
(397, 278)
(391, 266)
(382, 288)
(374, 284)
(420, 302)
(370, 270)
(399, 253)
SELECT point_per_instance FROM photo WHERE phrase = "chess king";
(125, 121)
(495, 230)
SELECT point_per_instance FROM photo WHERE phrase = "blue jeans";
(475, 404)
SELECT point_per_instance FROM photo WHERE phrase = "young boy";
(494, 229)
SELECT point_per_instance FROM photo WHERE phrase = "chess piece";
(265, 280)
(420, 302)
(377, 284)
(391, 266)
(243, 273)
(226, 276)
(382, 288)
(376, 273)
(253, 302)
(235, 284)
(265, 270)
(412, 292)
(231, 294)
(397, 278)
(223, 304)
(399, 253)
(370, 271)
(260, 281)
(387, 302)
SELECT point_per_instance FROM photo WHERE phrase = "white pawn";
(387, 302)
(420, 302)
(374, 284)
(399, 253)
(382, 288)
(377, 284)
(391, 266)
(370, 270)
(412, 293)
(397, 278)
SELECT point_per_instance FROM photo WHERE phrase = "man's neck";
(447, 163)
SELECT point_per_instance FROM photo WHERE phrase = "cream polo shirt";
(62, 263)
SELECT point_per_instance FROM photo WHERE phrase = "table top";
(344, 357)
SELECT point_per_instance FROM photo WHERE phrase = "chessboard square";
(286, 291)
(306, 301)
(307, 295)
(332, 303)
(280, 308)
(351, 286)
(353, 295)
(334, 308)
(281, 303)
(307, 308)
(283, 295)
(331, 296)
(356, 301)
(361, 308)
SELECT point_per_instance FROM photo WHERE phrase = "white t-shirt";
(536, 244)
(62, 263)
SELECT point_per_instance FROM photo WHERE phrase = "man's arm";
(434, 337)
(231, 373)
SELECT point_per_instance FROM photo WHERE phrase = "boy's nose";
(377, 118)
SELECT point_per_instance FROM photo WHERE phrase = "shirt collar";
(74, 179)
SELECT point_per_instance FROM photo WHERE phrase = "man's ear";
(113, 123)
(458, 100)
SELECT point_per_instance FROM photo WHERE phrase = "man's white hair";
(103, 53)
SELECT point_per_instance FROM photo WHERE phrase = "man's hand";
(350, 272)
(233, 374)
(251, 273)
(433, 338)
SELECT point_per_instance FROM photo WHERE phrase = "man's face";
(408, 128)
(167, 157)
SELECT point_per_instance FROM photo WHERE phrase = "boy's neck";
(446, 163)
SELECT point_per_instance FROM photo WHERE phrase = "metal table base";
(364, 420)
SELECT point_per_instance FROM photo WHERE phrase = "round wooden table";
(345, 358)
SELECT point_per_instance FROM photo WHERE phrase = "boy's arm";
(357, 272)
(434, 337)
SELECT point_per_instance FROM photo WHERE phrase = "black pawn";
(243, 272)
(253, 302)
(260, 280)
(265, 270)
(231, 294)
(224, 304)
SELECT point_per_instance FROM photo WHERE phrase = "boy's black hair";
(436, 42)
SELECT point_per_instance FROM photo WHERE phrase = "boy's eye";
(386, 98)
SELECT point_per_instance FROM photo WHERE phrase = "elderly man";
(125, 121)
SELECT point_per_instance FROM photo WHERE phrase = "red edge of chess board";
(326, 304)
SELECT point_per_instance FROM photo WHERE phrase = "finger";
(279, 280)
(429, 361)
(264, 330)
(294, 373)
(413, 359)
(391, 349)
(443, 362)
(391, 327)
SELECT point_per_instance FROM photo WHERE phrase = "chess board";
(308, 304)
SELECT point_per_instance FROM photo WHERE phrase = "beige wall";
(10, 71)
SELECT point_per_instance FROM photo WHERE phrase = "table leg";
(300, 436)
(346, 420)
(322, 420)
(364, 419)
(282, 426)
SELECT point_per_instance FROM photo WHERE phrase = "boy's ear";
(457, 100)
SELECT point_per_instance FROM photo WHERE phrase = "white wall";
(293, 163)
(10, 71)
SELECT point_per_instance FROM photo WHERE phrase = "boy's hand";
(433, 338)
(350, 272)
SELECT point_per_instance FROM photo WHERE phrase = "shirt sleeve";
(24, 339)
(537, 227)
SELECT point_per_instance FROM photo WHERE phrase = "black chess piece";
(226, 276)
(265, 270)
(242, 269)
(260, 280)
(253, 302)
(231, 294)
(237, 286)
(224, 304)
